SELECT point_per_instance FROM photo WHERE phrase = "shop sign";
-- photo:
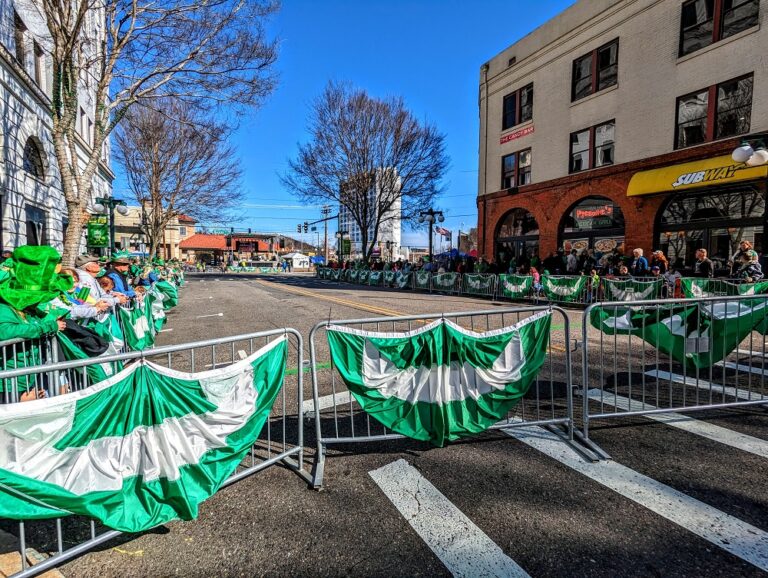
(715, 171)
(516, 135)
(97, 232)
(594, 217)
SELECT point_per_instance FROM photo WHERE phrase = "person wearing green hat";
(34, 282)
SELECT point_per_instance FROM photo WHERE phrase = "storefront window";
(715, 222)
(517, 238)
(593, 223)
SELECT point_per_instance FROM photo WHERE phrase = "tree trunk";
(74, 235)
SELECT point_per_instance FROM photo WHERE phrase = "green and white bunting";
(567, 289)
(479, 283)
(353, 275)
(142, 448)
(403, 280)
(138, 331)
(444, 281)
(697, 335)
(335, 273)
(421, 280)
(374, 278)
(631, 290)
(389, 278)
(440, 382)
(362, 277)
(516, 286)
(696, 288)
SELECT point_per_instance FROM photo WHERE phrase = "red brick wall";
(550, 201)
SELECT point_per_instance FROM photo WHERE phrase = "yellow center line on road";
(354, 304)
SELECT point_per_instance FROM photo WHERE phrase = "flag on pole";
(442, 231)
(141, 448)
(440, 382)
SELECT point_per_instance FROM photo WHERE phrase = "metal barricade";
(281, 440)
(19, 354)
(449, 283)
(339, 419)
(421, 280)
(659, 357)
(479, 284)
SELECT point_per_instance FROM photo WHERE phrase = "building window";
(33, 159)
(592, 147)
(518, 107)
(734, 107)
(182, 231)
(715, 112)
(37, 219)
(516, 169)
(19, 32)
(595, 71)
(704, 22)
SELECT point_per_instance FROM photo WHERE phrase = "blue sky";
(427, 51)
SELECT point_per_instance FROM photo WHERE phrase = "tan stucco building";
(588, 123)
(130, 235)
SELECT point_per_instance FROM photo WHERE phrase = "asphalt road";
(518, 502)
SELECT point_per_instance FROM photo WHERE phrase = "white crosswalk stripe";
(461, 545)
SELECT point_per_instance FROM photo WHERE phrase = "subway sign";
(697, 174)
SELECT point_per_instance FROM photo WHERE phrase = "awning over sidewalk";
(695, 174)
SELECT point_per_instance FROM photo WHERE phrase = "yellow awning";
(696, 174)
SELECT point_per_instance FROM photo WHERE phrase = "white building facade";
(389, 237)
(31, 200)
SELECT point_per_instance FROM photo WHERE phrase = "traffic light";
(306, 226)
(298, 228)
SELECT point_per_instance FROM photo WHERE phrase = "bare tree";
(370, 155)
(177, 161)
(133, 51)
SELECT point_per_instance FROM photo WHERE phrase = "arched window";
(593, 223)
(33, 159)
(715, 221)
(517, 238)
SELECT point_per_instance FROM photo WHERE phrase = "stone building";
(611, 127)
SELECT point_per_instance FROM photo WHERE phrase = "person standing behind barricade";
(659, 260)
(572, 262)
(750, 270)
(88, 269)
(735, 260)
(703, 266)
(33, 282)
(639, 267)
(118, 274)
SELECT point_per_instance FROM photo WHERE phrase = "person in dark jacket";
(703, 266)
(639, 267)
(119, 275)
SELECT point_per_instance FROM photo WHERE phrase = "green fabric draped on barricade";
(266, 269)
(362, 277)
(171, 294)
(478, 283)
(441, 382)
(139, 333)
(403, 280)
(444, 281)
(143, 448)
(697, 335)
(421, 280)
(353, 275)
(335, 274)
(631, 290)
(695, 288)
(374, 278)
(516, 286)
(566, 289)
(389, 278)
(96, 373)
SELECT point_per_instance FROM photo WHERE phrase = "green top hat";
(34, 279)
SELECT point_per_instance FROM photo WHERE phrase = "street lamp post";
(429, 217)
(107, 205)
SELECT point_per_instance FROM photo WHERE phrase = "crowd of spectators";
(39, 297)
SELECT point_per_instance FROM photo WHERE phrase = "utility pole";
(325, 211)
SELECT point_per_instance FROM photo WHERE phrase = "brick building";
(612, 126)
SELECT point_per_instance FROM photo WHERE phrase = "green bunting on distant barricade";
(695, 288)
(479, 283)
(515, 286)
(568, 289)
(444, 282)
(421, 280)
(403, 280)
(631, 289)
(374, 278)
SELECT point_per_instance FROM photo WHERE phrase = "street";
(671, 502)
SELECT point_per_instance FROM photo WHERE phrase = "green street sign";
(98, 232)
(347, 246)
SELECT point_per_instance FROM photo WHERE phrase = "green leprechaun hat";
(34, 278)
